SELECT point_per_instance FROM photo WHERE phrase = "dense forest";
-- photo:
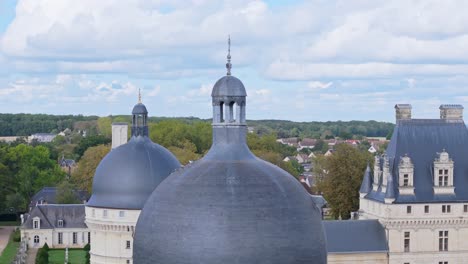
(27, 124)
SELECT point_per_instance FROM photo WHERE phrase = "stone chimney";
(451, 112)
(119, 134)
(403, 111)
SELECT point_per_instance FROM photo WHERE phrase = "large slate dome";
(128, 174)
(230, 207)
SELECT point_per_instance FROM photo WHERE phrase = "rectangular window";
(443, 262)
(60, 223)
(122, 213)
(93, 213)
(443, 177)
(465, 208)
(75, 238)
(89, 237)
(405, 180)
(443, 240)
(60, 238)
(36, 224)
(408, 209)
(104, 213)
(407, 242)
(128, 244)
(426, 209)
(446, 208)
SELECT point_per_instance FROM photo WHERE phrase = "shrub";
(42, 256)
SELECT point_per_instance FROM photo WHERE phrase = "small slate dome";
(139, 109)
(127, 176)
(228, 86)
(230, 207)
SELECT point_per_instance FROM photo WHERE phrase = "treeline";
(324, 130)
(27, 124)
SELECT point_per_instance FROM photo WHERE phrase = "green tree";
(90, 141)
(82, 177)
(104, 125)
(66, 193)
(341, 178)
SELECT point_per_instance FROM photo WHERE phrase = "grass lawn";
(10, 223)
(75, 256)
(9, 252)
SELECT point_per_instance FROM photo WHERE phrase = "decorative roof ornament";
(139, 95)
(228, 64)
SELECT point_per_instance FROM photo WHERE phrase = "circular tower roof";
(139, 109)
(230, 207)
(228, 86)
(127, 176)
(233, 211)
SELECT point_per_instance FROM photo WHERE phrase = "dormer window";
(443, 174)
(60, 223)
(406, 172)
(36, 223)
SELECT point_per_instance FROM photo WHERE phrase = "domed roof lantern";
(229, 207)
(228, 97)
(139, 118)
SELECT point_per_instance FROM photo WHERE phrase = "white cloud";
(153, 92)
(319, 85)
(306, 71)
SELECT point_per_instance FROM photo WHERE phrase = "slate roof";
(355, 236)
(73, 216)
(421, 140)
(48, 195)
(366, 185)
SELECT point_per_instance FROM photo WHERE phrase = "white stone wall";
(51, 237)
(424, 230)
(110, 232)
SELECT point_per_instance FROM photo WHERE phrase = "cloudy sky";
(299, 60)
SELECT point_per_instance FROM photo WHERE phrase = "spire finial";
(228, 64)
(139, 95)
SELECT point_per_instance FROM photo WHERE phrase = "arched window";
(231, 112)
(221, 112)
(36, 239)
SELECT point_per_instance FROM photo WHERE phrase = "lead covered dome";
(127, 176)
(230, 207)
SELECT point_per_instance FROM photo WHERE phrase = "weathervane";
(139, 95)
(228, 64)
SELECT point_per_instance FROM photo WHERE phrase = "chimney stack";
(119, 134)
(403, 111)
(451, 112)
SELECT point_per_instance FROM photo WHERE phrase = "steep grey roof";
(128, 174)
(355, 236)
(366, 184)
(139, 109)
(228, 86)
(390, 192)
(421, 140)
(73, 216)
(48, 195)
